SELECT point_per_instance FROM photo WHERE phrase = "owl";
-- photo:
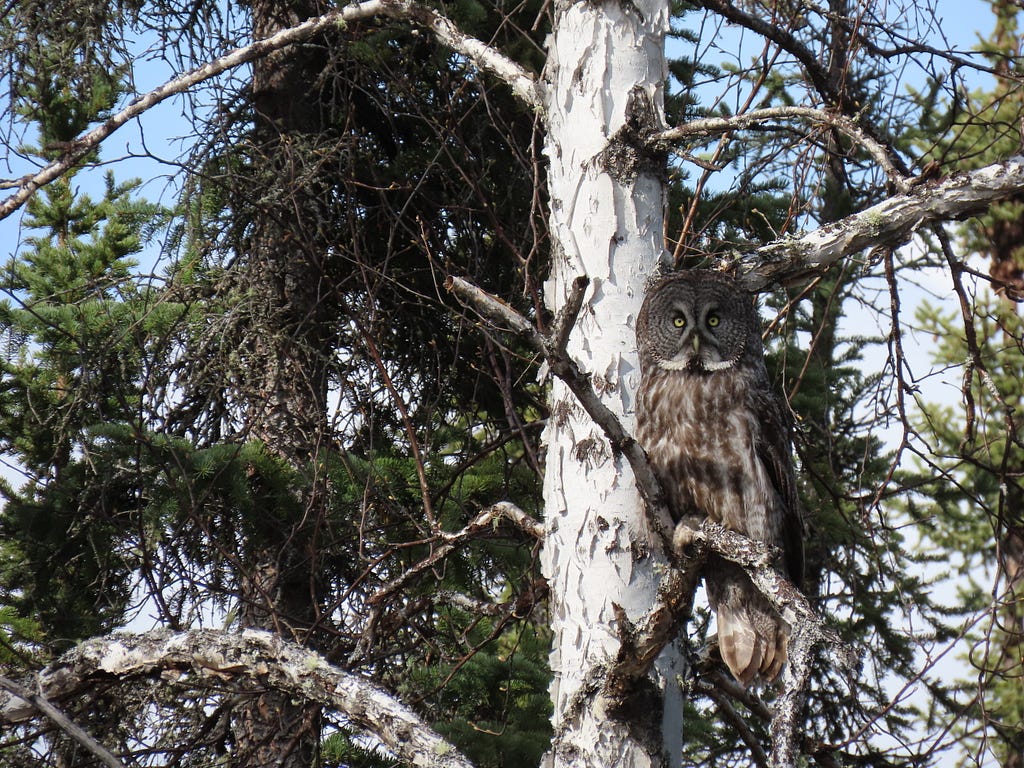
(719, 440)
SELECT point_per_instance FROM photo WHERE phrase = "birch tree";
(316, 452)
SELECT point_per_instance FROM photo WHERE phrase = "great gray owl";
(719, 440)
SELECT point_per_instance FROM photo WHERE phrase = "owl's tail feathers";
(752, 645)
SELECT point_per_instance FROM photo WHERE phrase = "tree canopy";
(319, 435)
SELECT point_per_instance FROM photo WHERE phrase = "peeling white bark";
(599, 554)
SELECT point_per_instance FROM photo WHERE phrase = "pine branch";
(522, 83)
(248, 659)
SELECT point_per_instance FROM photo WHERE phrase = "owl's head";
(697, 321)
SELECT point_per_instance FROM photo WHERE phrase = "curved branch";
(808, 631)
(486, 520)
(891, 222)
(717, 125)
(522, 83)
(250, 658)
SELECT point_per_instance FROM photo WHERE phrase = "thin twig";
(450, 541)
(62, 721)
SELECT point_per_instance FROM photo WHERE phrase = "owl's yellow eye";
(679, 321)
(713, 320)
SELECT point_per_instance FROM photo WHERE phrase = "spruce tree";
(977, 503)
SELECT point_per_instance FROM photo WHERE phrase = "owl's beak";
(696, 344)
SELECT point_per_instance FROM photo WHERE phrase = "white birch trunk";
(609, 227)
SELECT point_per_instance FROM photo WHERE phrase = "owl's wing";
(776, 453)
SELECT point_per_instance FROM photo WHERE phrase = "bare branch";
(891, 222)
(565, 368)
(809, 60)
(640, 646)
(522, 83)
(451, 541)
(732, 717)
(61, 720)
(249, 658)
(569, 314)
(808, 631)
(711, 126)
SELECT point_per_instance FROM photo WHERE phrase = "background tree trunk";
(285, 290)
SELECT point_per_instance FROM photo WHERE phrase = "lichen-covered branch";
(523, 84)
(808, 631)
(891, 222)
(248, 659)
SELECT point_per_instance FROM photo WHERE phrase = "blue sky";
(149, 148)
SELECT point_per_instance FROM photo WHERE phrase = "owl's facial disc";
(697, 343)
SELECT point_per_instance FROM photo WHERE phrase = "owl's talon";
(686, 533)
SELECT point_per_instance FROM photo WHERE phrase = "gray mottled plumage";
(719, 440)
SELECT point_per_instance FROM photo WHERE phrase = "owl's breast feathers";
(708, 440)
(720, 445)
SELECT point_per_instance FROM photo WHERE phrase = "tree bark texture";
(604, 79)
(251, 661)
(290, 310)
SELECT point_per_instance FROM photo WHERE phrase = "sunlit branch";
(641, 644)
(891, 222)
(522, 83)
(483, 522)
(253, 659)
(711, 126)
(564, 367)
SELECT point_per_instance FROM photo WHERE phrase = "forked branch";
(641, 644)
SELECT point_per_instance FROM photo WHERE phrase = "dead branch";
(487, 518)
(565, 368)
(40, 704)
(891, 222)
(522, 83)
(712, 126)
(808, 631)
(641, 645)
(250, 658)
